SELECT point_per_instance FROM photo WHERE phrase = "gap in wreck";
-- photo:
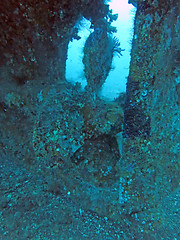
(117, 78)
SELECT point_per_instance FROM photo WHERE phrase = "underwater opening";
(117, 77)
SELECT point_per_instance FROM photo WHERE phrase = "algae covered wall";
(152, 113)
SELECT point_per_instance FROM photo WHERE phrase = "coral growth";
(98, 54)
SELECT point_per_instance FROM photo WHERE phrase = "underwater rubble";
(74, 166)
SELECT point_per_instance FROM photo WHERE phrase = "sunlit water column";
(116, 81)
